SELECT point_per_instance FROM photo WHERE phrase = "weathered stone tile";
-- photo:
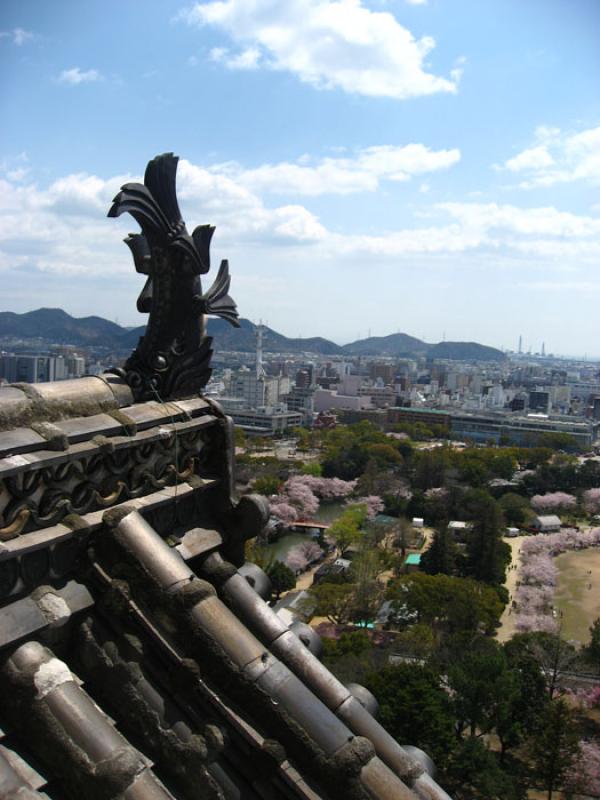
(194, 406)
(197, 541)
(19, 620)
(19, 440)
(35, 540)
(82, 428)
(147, 415)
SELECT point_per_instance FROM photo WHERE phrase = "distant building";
(427, 416)
(301, 399)
(539, 401)
(548, 523)
(263, 421)
(384, 371)
(339, 567)
(413, 562)
(40, 368)
(458, 526)
(519, 430)
(294, 607)
(324, 421)
(327, 400)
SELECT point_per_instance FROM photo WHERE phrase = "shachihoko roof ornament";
(173, 355)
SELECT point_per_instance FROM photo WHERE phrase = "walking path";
(507, 620)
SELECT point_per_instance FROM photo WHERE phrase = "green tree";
(369, 593)
(487, 554)
(440, 556)
(558, 441)
(554, 749)
(312, 468)
(282, 578)
(348, 449)
(528, 702)
(475, 774)
(593, 648)
(447, 604)
(484, 688)
(550, 651)
(346, 529)
(384, 455)
(516, 509)
(267, 485)
(414, 708)
(334, 601)
(431, 468)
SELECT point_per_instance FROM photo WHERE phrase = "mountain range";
(55, 326)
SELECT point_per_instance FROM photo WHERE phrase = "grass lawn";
(578, 571)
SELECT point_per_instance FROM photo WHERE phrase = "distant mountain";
(465, 351)
(243, 339)
(396, 344)
(55, 326)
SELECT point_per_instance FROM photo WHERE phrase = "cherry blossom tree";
(538, 575)
(585, 775)
(554, 501)
(539, 570)
(325, 488)
(302, 555)
(591, 501)
(373, 502)
(283, 511)
(299, 495)
(536, 622)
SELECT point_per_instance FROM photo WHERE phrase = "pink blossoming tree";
(373, 502)
(591, 501)
(553, 502)
(302, 555)
(538, 575)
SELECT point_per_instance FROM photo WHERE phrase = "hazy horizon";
(385, 165)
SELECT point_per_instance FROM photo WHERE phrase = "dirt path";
(507, 620)
(305, 580)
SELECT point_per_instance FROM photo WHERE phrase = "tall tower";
(543, 348)
(260, 370)
(520, 345)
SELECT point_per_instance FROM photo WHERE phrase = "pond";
(328, 512)
(280, 549)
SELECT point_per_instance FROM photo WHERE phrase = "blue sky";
(430, 167)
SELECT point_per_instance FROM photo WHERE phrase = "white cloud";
(546, 221)
(247, 59)
(534, 158)
(63, 228)
(75, 76)
(21, 36)
(417, 2)
(344, 175)
(218, 54)
(17, 174)
(18, 35)
(558, 157)
(327, 44)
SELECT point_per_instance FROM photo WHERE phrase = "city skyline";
(398, 166)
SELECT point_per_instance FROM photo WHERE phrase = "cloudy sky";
(426, 166)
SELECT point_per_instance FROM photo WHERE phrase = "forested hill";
(55, 326)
